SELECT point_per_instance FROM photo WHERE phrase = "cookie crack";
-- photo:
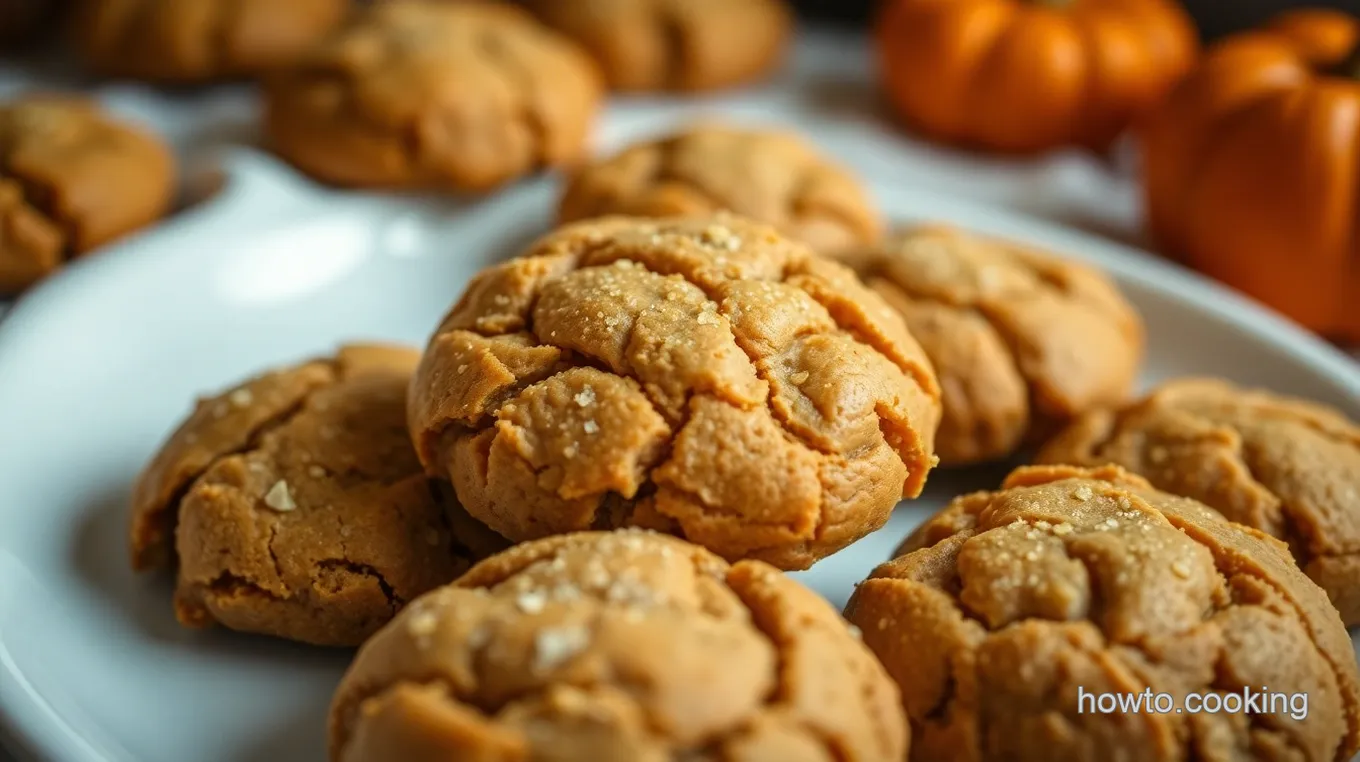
(166, 515)
(1352, 710)
(394, 601)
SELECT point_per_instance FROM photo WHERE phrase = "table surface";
(1095, 193)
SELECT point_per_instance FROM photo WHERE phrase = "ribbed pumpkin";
(1023, 76)
(1253, 168)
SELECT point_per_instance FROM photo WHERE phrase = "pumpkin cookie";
(1022, 341)
(767, 175)
(675, 44)
(301, 509)
(706, 377)
(72, 179)
(1007, 615)
(1286, 467)
(186, 41)
(457, 96)
(617, 646)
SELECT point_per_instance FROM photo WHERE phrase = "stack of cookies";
(561, 531)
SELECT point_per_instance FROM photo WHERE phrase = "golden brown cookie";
(72, 179)
(628, 646)
(446, 95)
(1284, 466)
(1007, 607)
(706, 377)
(1022, 341)
(186, 41)
(675, 44)
(767, 175)
(298, 507)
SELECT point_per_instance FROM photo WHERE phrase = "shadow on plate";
(297, 737)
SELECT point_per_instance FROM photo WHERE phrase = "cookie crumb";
(1083, 493)
(279, 498)
(422, 624)
(554, 646)
(585, 397)
(531, 601)
(1181, 569)
(1062, 529)
(591, 427)
(241, 398)
(799, 378)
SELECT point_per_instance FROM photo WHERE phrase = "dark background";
(1215, 17)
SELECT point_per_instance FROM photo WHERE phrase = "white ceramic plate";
(97, 365)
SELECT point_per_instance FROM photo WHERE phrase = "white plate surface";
(99, 364)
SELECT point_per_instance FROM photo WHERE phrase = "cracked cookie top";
(72, 179)
(627, 645)
(297, 506)
(703, 377)
(1006, 606)
(186, 41)
(675, 44)
(1022, 340)
(1287, 467)
(767, 175)
(433, 94)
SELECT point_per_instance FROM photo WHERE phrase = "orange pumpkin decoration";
(1253, 168)
(1023, 76)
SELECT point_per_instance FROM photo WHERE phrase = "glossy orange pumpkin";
(1030, 75)
(1253, 168)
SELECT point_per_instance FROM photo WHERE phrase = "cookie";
(1022, 340)
(439, 95)
(767, 175)
(686, 45)
(192, 41)
(71, 180)
(296, 507)
(704, 377)
(1010, 618)
(1284, 466)
(617, 646)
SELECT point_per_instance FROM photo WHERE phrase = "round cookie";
(704, 377)
(190, 41)
(297, 507)
(627, 646)
(1284, 466)
(1008, 615)
(767, 175)
(1022, 341)
(72, 179)
(686, 45)
(430, 94)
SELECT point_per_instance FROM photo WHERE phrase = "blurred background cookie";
(1287, 467)
(768, 175)
(1021, 340)
(705, 377)
(187, 41)
(617, 646)
(73, 179)
(297, 506)
(1006, 607)
(426, 94)
(675, 44)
